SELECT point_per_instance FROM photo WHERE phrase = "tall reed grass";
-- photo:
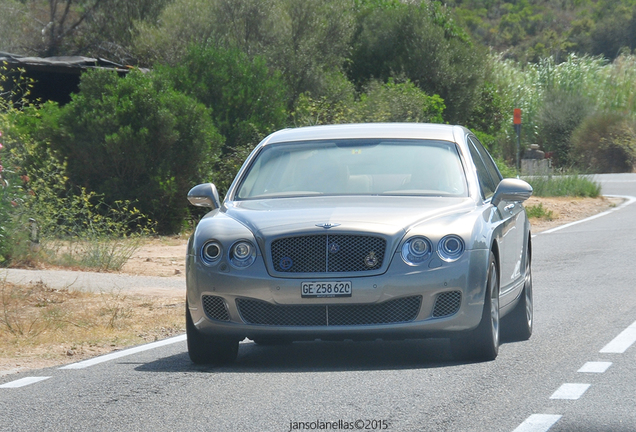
(606, 86)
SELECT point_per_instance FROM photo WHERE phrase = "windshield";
(355, 167)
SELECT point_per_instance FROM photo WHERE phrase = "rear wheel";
(517, 325)
(482, 343)
(205, 349)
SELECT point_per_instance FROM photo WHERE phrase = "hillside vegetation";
(225, 73)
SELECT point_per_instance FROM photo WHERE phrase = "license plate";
(326, 289)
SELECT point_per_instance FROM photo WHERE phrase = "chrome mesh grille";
(447, 304)
(215, 308)
(389, 312)
(328, 253)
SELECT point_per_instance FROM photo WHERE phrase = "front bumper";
(404, 302)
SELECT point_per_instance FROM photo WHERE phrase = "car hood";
(386, 215)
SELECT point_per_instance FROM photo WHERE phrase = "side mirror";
(204, 195)
(511, 189)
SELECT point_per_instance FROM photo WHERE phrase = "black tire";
(204, 349)
(482, 343)
(517, 325)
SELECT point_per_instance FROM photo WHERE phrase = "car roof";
(368, 130)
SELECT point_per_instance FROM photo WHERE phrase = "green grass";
(573, 185)
(540, 212)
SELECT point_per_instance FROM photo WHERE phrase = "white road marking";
(621, 342)
(595, 367)
(570, 391)
(119, 354)
(23, 382)
(538, 423)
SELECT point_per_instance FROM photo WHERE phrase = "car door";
(512, 220)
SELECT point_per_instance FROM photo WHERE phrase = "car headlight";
(211, 252)
(450, 248)
(416, 250)
(242, 254)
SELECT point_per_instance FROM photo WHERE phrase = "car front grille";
(215, 308)
(327, 253)
(390, 312)
(447, 304)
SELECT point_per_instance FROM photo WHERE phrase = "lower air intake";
(390, 312)
(215, 308)
(447, 304)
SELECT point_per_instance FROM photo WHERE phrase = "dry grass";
(41, 326)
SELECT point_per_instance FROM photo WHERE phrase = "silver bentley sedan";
(361, 231)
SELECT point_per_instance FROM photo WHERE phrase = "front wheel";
(204, 349)
(517, 326)
(482, 343)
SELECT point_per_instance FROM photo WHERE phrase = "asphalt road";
(576, 373)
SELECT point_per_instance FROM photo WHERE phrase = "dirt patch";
(568, 209)
(41, 326)
(163, 256)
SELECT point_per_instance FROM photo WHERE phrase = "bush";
(605, 143)
(333, 106)
(10, 194)
(134, 139)
(390, 102)
(43, 219)
(398, 102)
(573, 185)
(421, 42)
(560, 115)
(247, 100)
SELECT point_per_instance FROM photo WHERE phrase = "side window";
(490, 164)
(485, 180)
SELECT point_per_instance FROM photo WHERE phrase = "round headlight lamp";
(242, 254)
(211, 252)
(451, 248)
(416, 250)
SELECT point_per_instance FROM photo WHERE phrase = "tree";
(246, 98)
(304, 40)
(421, 42)
(73, 27)
(134, 138)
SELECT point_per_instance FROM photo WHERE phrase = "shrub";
(421, 42)
(246, 99)
(539, 212)
(398, 102)
(560, 115)
(333, 106)
(10, 192)
(390, 102)
(506, 170)
(14, 89)
(135, 139)
(573, 185)
(605, 143)
(49, 221)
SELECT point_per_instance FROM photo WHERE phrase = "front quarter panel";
(226, 231)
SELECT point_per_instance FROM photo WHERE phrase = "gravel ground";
(96, 282)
